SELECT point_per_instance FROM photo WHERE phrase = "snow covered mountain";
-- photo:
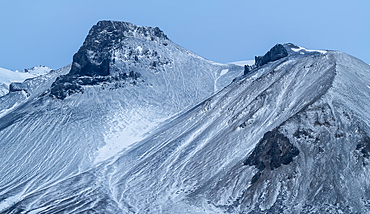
(137, 124)
(8, 76)
(124, 81)
(37, 70)
(291, 136)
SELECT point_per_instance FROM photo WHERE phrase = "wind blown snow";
(242, 63)
(304, 49)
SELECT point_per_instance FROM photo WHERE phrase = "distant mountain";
(123, 82)
(37, 70)
(8, 76)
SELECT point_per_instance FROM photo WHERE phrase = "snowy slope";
(203, 161)
(147, 80)
(29, 89)
(290, 137)
(124, 81)
(37, 70)
(8, 76)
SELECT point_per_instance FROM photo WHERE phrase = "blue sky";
(49, 32)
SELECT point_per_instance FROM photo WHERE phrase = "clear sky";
(49, 32)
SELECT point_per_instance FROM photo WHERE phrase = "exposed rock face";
(94, 56)
(92, 63)
(247, 69)
(275, 53)
(64, 86)
(16, 86)
(273, 150)
(364, 147)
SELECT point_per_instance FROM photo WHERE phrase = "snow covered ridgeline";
(113, 50)
(291, 136)
(151, 71)
(52, 139)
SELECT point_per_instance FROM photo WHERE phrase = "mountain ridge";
(290, 135)
(46, 140)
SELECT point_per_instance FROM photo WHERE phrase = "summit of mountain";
(57, 125)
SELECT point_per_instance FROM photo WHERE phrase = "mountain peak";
(37, 70)
(102, 39)
(97, 54)
(118, 30)
(275, 53)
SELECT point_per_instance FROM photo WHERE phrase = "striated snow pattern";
(47, 139)
(291, 136)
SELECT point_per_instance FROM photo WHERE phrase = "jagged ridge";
(93, 61)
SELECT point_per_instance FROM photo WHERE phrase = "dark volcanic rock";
(364, 147)
(94, 56)
(93, 60)
(273, 150)
(61, 91)
(16, 86)
(275, 53)
(247, 69)
(82, 66)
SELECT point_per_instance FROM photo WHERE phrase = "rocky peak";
(115, 30)
(94, 56)
(92, 63)
(275, 53)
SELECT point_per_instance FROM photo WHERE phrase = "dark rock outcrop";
(273, 150)
(62, 88)
(94, 56)
(364, 147)
(275, 53)
(16, 86)
(91, 64)
(247, 69)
